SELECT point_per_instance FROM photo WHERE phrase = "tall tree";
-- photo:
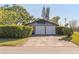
(55, 19)
(6, 6)
(14, 13)
(43, 12)
(65, 24)
(22, 13)
(73, 24)
(47, 13)
(8, 17)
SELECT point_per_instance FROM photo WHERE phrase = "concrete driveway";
(42, 44)
(47, 41)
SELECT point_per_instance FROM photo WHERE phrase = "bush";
(75, 38)
(59, 30)
(66, 38)
(67, 31)
(64, 31)
(15, 31)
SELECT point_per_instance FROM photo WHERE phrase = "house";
(43, 27)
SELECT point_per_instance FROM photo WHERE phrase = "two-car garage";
(43, 27)
(45, 30)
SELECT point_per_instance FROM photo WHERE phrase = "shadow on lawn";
(8, 39)
(66, 38)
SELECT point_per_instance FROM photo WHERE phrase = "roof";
(42, 20)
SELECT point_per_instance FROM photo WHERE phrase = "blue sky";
(69, 11)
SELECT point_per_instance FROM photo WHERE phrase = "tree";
(6, 6)
(45, 13)
(7, 17)
(73, 24)
(55, 19)
(13, 14)
(23, 15)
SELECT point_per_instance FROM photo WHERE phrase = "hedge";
(15, 31)
(59, 31)
(64, 31)
(68, 31)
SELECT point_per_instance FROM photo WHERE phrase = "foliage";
(66, 38)
(77, 28)
(12, 42)
(73, 24)
(14, 31)
(13, 14)
(59, 30)
(55, 19)
(75, 38)
(64, 31)
(67, 31)
(8, 17)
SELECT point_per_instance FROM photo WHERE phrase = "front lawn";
(75, 38)
(11, 42)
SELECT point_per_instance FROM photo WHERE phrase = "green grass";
(75, 38)
(11, 42)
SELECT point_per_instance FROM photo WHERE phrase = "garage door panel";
(45, 30)
(50, 29)
(40, 30)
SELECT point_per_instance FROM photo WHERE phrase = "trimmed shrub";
(59, 30)
(64, 31)
(15, 31)
(66, 38)
(67, 31)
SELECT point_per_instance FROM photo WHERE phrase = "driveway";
(42, 44)
(47, 41)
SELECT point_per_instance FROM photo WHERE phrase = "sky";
(69, 11)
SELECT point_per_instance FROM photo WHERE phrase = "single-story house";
(43, 27)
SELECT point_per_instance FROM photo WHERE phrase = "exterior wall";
(40, 24)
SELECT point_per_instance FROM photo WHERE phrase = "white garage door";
(40, 30)
(50, 30)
